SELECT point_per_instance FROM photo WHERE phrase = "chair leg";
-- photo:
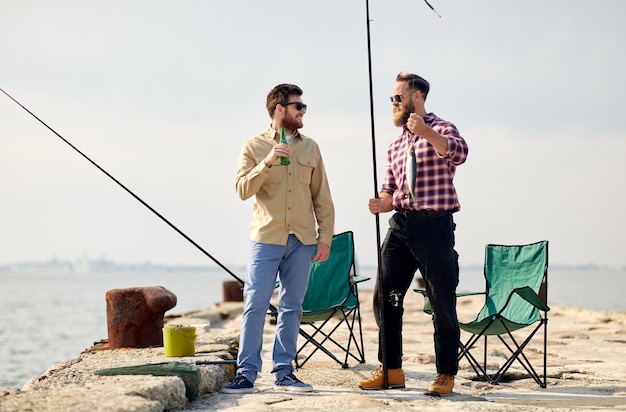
(465, 352)
(349, 318)
(360, 348)
(485, 358)
(518, 354)
(545, 350)
(310, 339)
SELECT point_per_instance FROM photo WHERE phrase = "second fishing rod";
(139, 199)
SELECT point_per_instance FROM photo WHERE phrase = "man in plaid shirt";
(418, 186)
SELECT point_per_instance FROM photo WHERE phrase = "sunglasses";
(299, 106)
(396, 99)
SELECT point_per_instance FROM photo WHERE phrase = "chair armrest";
(359, 278)
(531, 297)
(458, 295)
(428, 308)
(464, 294)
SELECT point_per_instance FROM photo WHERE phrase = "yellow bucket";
(179, 341)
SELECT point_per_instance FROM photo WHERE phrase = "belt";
(422, 213)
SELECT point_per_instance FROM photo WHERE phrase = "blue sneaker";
(239, 385)
(292, 384)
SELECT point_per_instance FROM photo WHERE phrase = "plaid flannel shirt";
(435, 173)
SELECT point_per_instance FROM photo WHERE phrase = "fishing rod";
(432, 8)
(129, 191)
(379, 295)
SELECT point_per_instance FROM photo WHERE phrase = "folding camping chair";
(331, 305)
(516, 298)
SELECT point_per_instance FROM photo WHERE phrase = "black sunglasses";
(396, 99)
(299, 106)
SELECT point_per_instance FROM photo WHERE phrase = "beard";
(292, 123)
(400, 115)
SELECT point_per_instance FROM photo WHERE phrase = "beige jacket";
(294, 198)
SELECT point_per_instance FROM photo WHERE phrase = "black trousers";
(424, 242)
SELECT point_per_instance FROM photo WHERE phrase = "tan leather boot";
(442, 386)
(395, 379)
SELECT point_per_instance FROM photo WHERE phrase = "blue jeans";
(292, 262)
(423, 243)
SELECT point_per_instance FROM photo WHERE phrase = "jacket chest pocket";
(306, 166)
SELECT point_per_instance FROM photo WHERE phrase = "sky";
(162, 94)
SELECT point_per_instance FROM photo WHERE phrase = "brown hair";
(280, 95)
(415, 82)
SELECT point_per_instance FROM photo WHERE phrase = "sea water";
(48, 318)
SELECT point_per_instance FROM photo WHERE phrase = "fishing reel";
(394, 298)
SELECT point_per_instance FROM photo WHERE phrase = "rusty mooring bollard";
(135, 316)
(232, 291)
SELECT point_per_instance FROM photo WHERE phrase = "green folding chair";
(516, 298)
(332, 304)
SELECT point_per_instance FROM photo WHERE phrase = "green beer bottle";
(284, 160)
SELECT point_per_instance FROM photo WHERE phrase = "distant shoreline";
(88, 266)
